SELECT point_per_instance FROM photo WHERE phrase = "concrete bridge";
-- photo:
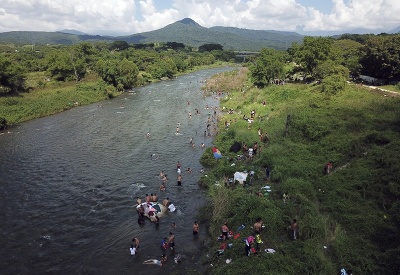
(241, 55)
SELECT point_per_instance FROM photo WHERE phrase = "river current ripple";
(68, 182)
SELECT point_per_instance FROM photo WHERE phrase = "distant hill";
(72, 32)
(185, 31)
(396, 30)
(43, 38)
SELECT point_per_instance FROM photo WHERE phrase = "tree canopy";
(269, 65)
(380, 57)
(311, 53)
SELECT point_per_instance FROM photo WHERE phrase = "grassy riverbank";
(47, 98)
(348, 219)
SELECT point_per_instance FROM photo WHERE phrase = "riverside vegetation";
(40, 81)
(347, 219)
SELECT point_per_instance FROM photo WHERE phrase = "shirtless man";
(165, 202)
(171, 240)
(258, 226)
(155, 197)
(148, 198)
(136, 243)
(177, 130)
(138, 201)
(195, 228)
(180, 180)
(162, 187)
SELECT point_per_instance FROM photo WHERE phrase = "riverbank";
(347, 218)
(53, 97)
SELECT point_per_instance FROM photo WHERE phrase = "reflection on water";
(69, 182)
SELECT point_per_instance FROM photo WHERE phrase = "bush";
(333, 84)
(3, 123)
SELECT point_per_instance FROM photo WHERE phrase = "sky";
(124, 17)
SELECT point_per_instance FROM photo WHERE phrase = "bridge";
(241, 55)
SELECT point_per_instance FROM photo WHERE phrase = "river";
(68, 182)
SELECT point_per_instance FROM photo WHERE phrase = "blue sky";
(121, 17)
(324, 6)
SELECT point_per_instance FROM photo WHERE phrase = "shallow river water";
(68, 182)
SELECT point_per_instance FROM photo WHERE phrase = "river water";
(68, 183)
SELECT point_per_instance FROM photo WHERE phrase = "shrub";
(333, 84)
(3, 123)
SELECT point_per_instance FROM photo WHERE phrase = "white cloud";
(135, 16)
(357, 14)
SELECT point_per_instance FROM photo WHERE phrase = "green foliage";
(66, 65)
(381, 57)
(329, 68)
(123, 74)
(119, 45)
(350, 53)
(313, 51)
(268, 66)
(333, 84)
(210, 47)
(11, 77)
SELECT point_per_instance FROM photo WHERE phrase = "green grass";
(353, 212)
(51, 98)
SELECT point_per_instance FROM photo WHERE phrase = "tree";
(120, 74)
(329, 68)
(210, 47)
(312, 52)
(119, 45)
(66, 64)
(127, 74)
(268, 65)
(349, 51)
(165, 67)
(381, 58)
(11, 77)
(175, 45)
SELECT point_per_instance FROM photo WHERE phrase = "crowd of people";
(142, 205)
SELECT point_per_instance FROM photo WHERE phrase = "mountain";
(395, 30)
(43, 38)
(185, 31)
(72, 32)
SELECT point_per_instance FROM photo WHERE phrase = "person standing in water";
(180, 180)
(171, 240)
(195, 228)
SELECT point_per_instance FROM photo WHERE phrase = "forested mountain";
(184, 31)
